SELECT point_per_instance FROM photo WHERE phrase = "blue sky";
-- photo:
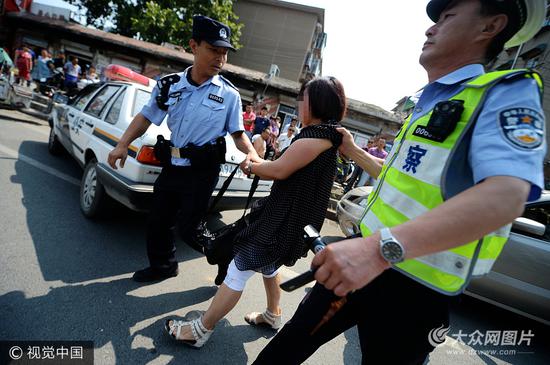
(373, 47)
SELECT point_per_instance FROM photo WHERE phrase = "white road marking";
(39, 165)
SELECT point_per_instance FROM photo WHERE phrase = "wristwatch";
(390, 248)
(249, 168)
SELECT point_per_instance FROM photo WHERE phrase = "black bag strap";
(222, 190)
(224, 187)
(253, 188)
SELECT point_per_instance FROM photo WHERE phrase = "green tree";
(158, 21)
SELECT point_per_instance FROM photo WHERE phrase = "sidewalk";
(24, 99)
(20, 115)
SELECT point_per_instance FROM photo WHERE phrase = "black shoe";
(151, 274)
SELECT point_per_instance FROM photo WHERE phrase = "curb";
(34, 113)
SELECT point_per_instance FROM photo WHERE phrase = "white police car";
(90, 124)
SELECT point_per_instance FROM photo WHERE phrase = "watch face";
(392, 251)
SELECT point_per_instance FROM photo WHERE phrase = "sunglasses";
(292, 130)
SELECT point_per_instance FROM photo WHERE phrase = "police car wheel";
(54, 146)
(92, 192)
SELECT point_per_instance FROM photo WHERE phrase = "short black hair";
(496, 46)
(198, 40)
(264, 107)
(327, 99)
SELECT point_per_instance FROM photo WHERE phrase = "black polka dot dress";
(275, 234)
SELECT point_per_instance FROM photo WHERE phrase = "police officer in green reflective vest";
(460, 171)
(201, 107)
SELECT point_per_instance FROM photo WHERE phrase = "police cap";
(525, 17)
(212, 31)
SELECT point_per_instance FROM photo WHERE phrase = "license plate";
(226, 170)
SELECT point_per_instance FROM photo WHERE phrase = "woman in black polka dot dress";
(303, 177)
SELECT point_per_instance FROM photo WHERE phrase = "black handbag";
(217, 245)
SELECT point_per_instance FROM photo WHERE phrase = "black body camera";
(444, 118)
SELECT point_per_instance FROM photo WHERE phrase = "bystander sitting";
(284, 140)
(293, 123)
(262, 143)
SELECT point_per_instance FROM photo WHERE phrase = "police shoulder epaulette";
(228, 82)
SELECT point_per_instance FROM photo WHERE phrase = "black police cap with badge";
(212, 31)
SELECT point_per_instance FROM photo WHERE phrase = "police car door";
(72, 117)
(90, 118)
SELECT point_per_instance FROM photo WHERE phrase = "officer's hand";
(253, 156)
(348, 265)
(348, 143)
(244, 166)
(119, 153)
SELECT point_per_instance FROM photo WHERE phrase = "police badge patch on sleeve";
(522, 127)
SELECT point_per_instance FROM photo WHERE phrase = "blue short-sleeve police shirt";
(500, 146)
(197, 114)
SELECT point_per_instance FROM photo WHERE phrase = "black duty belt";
(184, 152)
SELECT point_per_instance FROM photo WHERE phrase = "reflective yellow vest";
(419, 174)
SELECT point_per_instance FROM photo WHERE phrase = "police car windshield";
(141, 99)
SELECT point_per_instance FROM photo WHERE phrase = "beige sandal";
(200, 333)
(266, 318)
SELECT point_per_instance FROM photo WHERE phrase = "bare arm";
(243, 144)
(372, 165)
(259, 146)
(298, 155)
(352, 264)
(137, 127)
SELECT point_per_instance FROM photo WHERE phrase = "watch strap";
(385, 235)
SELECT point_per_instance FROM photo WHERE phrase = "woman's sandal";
(200, 333)
(266, 318)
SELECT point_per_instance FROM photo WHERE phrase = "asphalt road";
(64, 277)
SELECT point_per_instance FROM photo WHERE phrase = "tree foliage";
(158, 21)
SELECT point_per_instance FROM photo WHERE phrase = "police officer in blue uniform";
(202, 107)
(360, 281)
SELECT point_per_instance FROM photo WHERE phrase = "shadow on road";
(70, 247)
(77, 252)
(103, 312)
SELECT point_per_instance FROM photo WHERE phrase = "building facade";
(281, 38)
(99, 48)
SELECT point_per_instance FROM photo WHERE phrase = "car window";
(83, 96)
(141, 99)
(100, 100)
(541, 214)
(114, 112)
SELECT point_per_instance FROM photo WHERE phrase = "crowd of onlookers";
(46, 71)
(265, 131)
(376, 146)
(270, 140)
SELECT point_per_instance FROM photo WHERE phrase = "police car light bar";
(121, 73)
